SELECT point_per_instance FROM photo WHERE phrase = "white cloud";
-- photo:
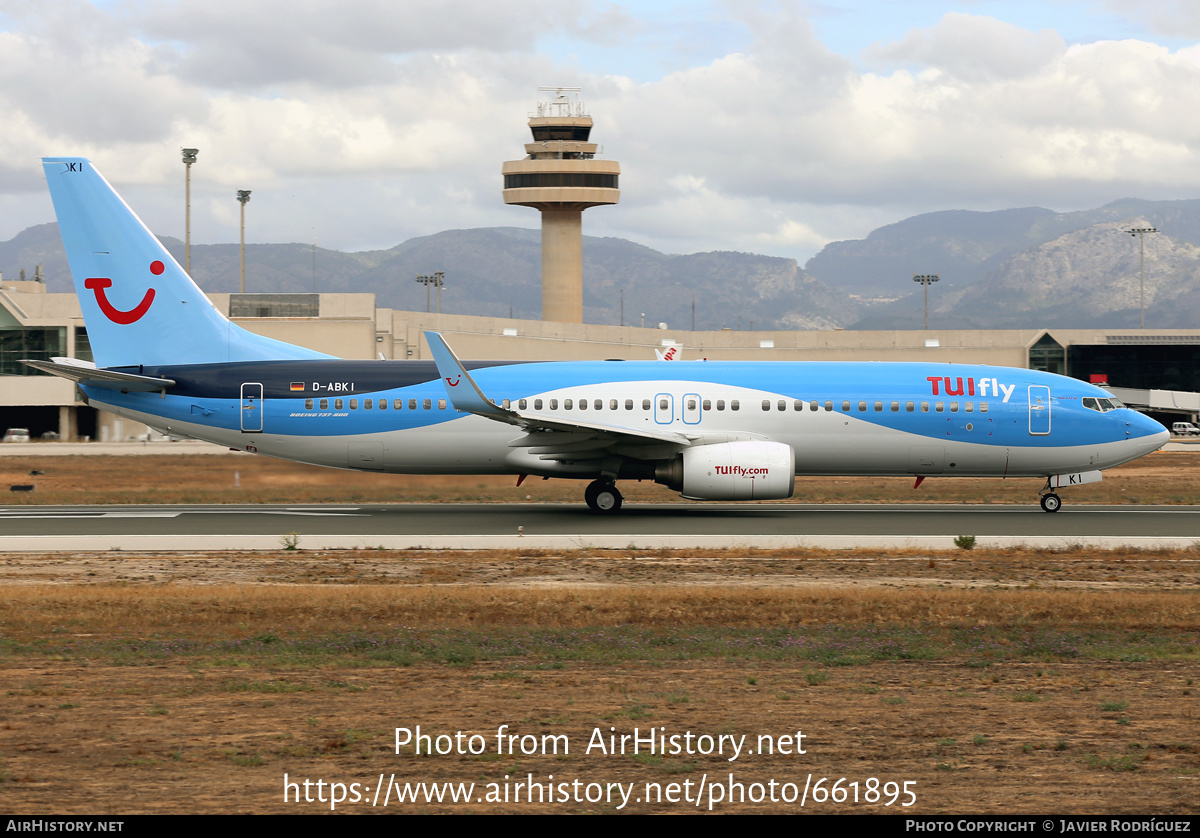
(974, 48)
(371, 122)
(1172, 18)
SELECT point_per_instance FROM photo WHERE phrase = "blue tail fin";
(139, 305)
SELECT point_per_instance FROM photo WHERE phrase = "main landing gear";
(602, 496)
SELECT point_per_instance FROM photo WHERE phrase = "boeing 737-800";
(710, 430)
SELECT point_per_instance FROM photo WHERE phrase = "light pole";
(189, 157)
(926, 280)
(243, 196)
(1141, 232)
(437, 280)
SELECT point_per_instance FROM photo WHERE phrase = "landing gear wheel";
(1051, 502)
(602, 496)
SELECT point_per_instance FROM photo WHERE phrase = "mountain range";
(1016, 268)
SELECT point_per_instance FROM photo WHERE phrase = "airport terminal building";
(1155, 370)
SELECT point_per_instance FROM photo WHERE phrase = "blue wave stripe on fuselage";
(210, 394)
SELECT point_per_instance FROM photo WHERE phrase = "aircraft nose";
(1152, 432)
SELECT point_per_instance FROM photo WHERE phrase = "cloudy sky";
(772, 127)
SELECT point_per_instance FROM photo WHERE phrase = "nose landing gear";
(1050, 501)
(602, 496)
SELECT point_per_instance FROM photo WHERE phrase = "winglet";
(464, 393)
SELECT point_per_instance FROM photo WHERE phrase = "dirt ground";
(165, 739)
(194, 732)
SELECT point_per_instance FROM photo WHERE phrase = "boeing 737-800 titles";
(711, 430)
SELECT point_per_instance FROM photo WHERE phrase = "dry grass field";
(990, 681)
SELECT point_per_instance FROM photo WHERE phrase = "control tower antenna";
(561, 178)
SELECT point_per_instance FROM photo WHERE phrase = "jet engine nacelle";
(747, 470)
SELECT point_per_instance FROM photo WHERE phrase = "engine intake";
(746, 470)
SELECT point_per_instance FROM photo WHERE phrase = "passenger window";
(691, 404)
(368, 404)
(909, 406)
(324, 404)
(583, 404)
(663, 404)
(554, 404)
(383, 404)
(612, 404)
(846, 406)
(813, 405)
(895, 407)
(829, 405)
(645, 404)
(939, 407)
(537, 404)
(599, 404)
(954, 407)
(337, 404)
(878, 407)
(398, 404)
(308, 404)
(568, 404)
(924, 407)
(708, 404)
(766, 404)
(412, 404)
(983, 407)
(969, 407)
(523, 404)
(734, 404)
(862, 406)
(441, 404)
(629, 404)
(354, 404)
(798, 405)
(720, 404)
(781, 405)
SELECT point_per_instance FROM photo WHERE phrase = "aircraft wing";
(547, 436)
(82, 372)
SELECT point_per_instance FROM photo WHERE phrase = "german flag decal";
(297, 386)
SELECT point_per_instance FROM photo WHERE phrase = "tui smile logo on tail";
(98, 283)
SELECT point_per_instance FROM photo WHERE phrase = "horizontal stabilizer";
(81, 372)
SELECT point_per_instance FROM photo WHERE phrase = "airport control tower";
(561, 178)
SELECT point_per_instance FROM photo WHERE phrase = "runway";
(571, 526)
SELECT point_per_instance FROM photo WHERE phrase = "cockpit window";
(1102, 405)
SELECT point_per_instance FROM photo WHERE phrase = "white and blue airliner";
(710, 430)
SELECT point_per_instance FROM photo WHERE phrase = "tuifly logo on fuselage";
(984, 388)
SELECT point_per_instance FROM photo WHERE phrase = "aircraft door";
(691, 409)
(664, 408)
(1039, 409)
(252, 408)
